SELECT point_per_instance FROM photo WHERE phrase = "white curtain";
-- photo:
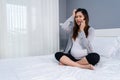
(28, 27)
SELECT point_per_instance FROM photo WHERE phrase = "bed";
(45, 67)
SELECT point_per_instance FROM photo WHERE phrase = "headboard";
(107, 32)
(107, 42)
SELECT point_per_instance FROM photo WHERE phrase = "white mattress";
(47, 68)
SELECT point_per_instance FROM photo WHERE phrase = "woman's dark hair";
(76, 27)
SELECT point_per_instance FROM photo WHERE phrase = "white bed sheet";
(47, 68)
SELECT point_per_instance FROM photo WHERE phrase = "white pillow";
(117, 54)
(105, 46)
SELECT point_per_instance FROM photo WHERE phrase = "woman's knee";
(58, 55)
(93, 58)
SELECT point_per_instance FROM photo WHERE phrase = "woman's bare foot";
(88, 66)
(91, 67)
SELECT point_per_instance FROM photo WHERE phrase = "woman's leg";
(83, 61)
(93, 58)
(67, 61)
(63, 59)
(90, 59)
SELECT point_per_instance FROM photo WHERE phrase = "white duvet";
(47, 68)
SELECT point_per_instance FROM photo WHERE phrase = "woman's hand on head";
(73, 13)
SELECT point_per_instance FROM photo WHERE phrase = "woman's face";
(79, 17)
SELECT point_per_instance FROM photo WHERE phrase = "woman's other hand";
(82, 26)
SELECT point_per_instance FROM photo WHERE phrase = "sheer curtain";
(28, 27)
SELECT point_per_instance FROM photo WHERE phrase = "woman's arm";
(68, 24)
(86, 42)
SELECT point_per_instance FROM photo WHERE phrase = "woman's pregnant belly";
(77, 52)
